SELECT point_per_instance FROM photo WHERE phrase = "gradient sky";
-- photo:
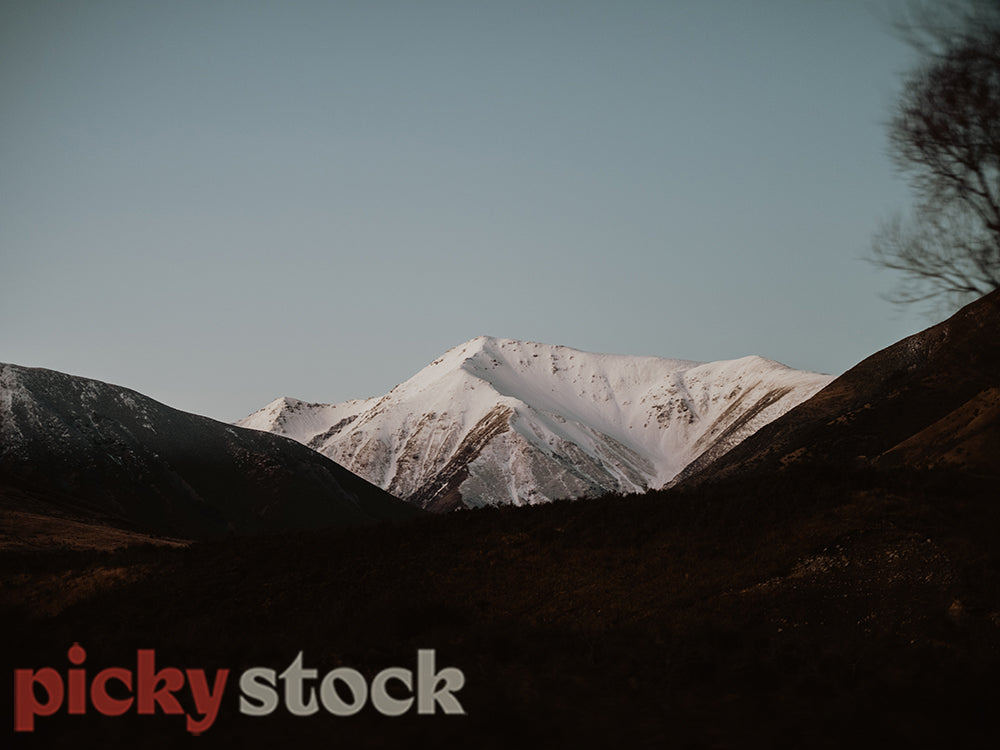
(219, 203)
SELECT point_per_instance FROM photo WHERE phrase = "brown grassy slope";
(966, 438)
(30, 522)
(946, 375)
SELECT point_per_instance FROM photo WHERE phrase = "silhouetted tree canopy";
(945, 137)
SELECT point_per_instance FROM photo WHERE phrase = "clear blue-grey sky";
(218, 203)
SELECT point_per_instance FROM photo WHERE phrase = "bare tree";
(945, 137)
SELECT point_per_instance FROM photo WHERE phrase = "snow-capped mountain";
(498, 421)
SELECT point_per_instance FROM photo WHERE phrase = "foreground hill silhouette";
(80, 451)
(833, 601)
(929, 401)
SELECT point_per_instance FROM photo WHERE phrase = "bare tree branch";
(945, 136)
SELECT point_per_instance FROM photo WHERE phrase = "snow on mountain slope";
(497, 421)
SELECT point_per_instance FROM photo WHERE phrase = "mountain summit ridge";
(502, 421)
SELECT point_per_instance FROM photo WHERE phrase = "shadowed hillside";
(87, 451)
(851, 614)
(930, 400)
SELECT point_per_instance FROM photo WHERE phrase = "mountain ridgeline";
(505, 422)
(82, 449)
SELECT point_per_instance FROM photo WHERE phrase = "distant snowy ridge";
(499, 421)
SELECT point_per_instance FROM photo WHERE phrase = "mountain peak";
(497, 420)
